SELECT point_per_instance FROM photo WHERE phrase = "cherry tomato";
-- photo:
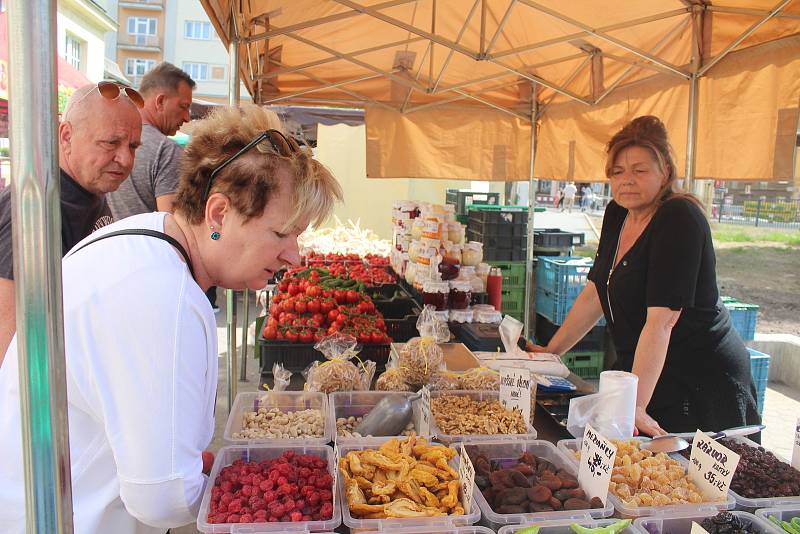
(319, 318)
(283, 286)
(292, 336)
(364, 337)
(318, 336)
(306, 336)
(314, 275)
(293, 289)
(312, 324)
(340, 296)
(272, 321)
(300, 306)
(327, 294)
(333, 315)
(314, 306)
(353, 296)
(380, 324)
(377, 337)
(271, 332)
(333, 329)
(363, 307)
(326, 306)
(313, 291)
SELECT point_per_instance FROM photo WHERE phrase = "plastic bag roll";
(611, 411)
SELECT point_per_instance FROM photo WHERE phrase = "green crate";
(463, 219)
(584, 364)
(513, 273)
(513, 301)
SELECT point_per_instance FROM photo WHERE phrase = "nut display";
(392, 380)
(345, 427)
(461, 415)
(481, 379)
(272, 423)
(404, 478)
(761, 474)
(642, 478)
(293, 487)
(419, 360)
(529, 485)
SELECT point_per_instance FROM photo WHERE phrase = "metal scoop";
(389, 417)
(672, 443)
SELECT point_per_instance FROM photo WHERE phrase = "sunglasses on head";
(113, 90)
(282, 145)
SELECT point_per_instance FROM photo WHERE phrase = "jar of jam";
(472, 255)
(460, 316)
(417, 227)
(436, 294)
(456, 232)
(460, 294)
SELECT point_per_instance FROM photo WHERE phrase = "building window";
(198, 71)
(138, 67)
(73, 52)
(218, 73)
(142, 26)
(196, 29)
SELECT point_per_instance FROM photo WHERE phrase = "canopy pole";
(531, 206)
(36, 215)
(230, 295)
(691, 134)
(245, 323)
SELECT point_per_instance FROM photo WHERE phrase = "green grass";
(747, 234)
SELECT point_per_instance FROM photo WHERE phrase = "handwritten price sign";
(515, 390)
(796, 450)
(466, 473)
(597, 464)
(425, 412)
(711, 466)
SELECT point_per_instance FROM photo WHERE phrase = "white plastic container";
(382, 525)
(358, 404)
(751, 504)
(513, 447)
(227, 455)
(784, 513)
(286, 401)
(681, 523)
(481, 396)
(568, 448)
(435, 530)
(562, 526)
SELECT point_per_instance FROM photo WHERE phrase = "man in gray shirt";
(167, 92)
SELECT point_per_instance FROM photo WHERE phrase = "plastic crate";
(512, 301)
(504, 254)
(285, 401)
(584, 364)
(513, 273)
(401, 330)
(593, 341)
(296, 357)
(449, 439)
(682, 523)
(499, 214)
(782, 513)
(359, 404)
(744, 318)
(564, 276)
(759, 368)
(463, 199)
(557, 238)
(564, 526)
(555, 307)
(494, 241)
(397, 307)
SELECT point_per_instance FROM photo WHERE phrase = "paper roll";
(616, 414)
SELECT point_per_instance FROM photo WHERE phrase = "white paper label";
(336, 466)
(697, 529)
(796, 450)
(711, 466)
(515, 390)
(466, 473)
(597, 464)
(424, 412)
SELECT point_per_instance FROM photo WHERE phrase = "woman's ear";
(217, 206)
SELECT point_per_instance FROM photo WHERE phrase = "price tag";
(697, 529)
(515, 390)
(796, 450)
(336, 458)
(711, 466)
(597, 464)
(466, 473)
(425, 412)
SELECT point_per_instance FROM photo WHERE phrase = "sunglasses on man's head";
(282, 145)
(113, 90)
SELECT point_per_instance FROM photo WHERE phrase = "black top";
(82, 213)
(672, 265)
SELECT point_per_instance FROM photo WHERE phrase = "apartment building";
(81, 29)
(140, 37)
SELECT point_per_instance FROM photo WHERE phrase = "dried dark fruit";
(596, 502)
(482, 481)
(525, 469)
(511, 509)
(519, 479)
(568, 481)
(552, 482)
(511, 496)
(556, 504)
(528, 459)
(576, 504)
(537, 507)
(540, 494)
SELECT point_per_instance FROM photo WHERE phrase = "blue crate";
(555, 275)
(743, 317)
(759, 368)
(555, 307)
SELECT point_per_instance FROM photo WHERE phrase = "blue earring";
(215, 235)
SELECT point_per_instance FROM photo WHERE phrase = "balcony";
(144, 43)
(150, 5)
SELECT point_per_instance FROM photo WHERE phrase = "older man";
(97, 140)
(167, 92)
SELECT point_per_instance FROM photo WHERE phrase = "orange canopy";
(447, 84)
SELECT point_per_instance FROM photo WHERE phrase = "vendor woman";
(654, 281)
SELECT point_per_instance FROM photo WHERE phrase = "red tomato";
(327, 305)
(312, 324)
(313, 291)
(327, 294)
(271, 332)
(364, 337)
(292, 336)
(333, 329)
(300, 306)
(380, 324)
(318, 336)
(333, 315)
(363, 307)
(314, 306)
(314, 275)
(283, 286)
(293, 289)
(353, 296)
(343, 310)
(377, 337)
(272, 321)
(306, 336)
(340, 296)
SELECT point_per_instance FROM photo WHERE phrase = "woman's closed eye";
(280, 235)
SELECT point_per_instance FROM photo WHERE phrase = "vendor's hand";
(531, 347)
(208, 461)
(646, 424)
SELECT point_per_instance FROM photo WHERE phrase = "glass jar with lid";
(453, 253)
(436, 294)
(472, 255)
(461, 316)
(460, 294)
(417, 227)
(456, 232)
(482, 270)
(488, 316)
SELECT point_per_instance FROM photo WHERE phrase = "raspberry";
(260, 520)
(233, 518)
(274, 475)
(266, 485)
(270, 496)
(246, 518)
(319, 463)
(306, 510)
(314, 499)
(216, 492)
(222, 508)
(326, 495)
(260, 513)
(257, 480)
(312, 480)
(326, 511)
(281, 481)
(306, 517)
(235, 507)
(276, 509)
(296, 516)
(273, 519)
(257, 503)
(247, 491)
(246, 480)
(304, 472)
(325, 481)
(285, 489)
(226, 486)
(289, 505)
(299, 504)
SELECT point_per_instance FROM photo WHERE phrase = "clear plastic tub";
(358, 404)
(682, 523)
(434, 530)
(747, 503)
(784, 513)
(568, 448)
(513, 447)
(286, 401)
(257, 452)
(480, 396)
(562, 526)
(382, 525)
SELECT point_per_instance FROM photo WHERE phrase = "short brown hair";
(165, 76)
(250, 181)
(649, 132)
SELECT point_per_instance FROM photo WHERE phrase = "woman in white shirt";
(140, 335)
